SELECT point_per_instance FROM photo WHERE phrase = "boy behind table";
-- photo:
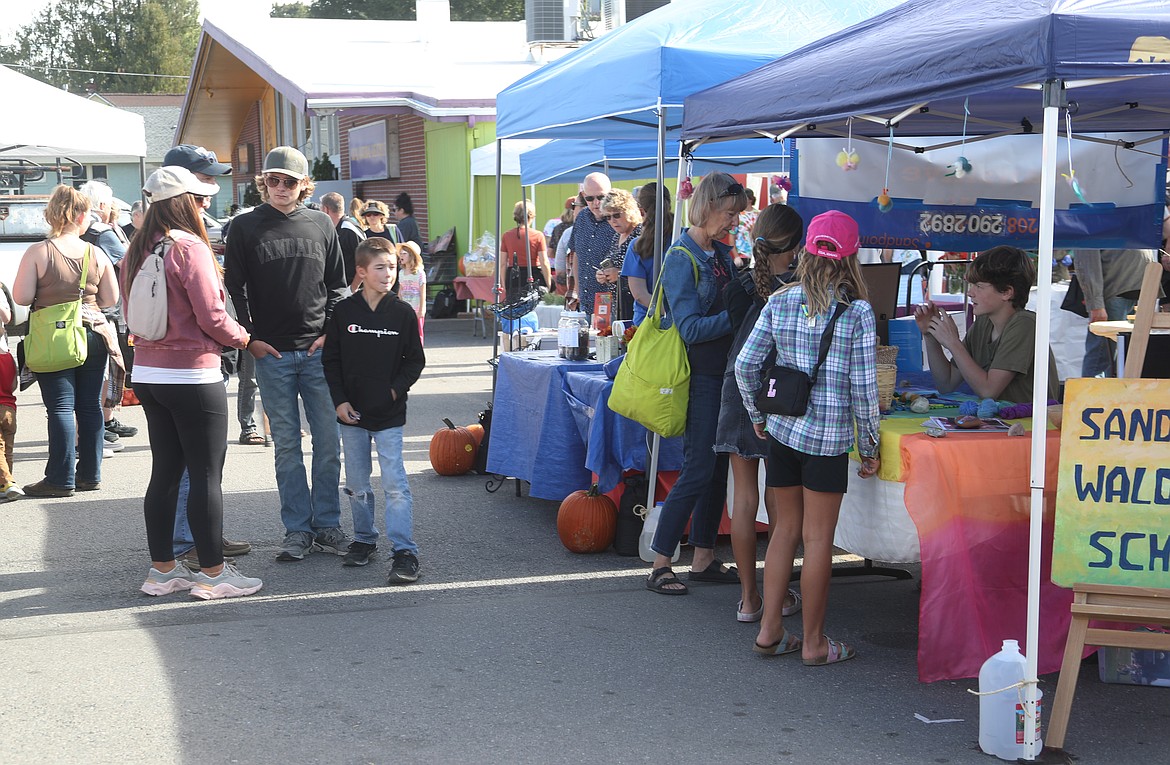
(996, 358)
(373, 354)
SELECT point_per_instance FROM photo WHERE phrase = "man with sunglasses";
(284, 272)
(590, 243)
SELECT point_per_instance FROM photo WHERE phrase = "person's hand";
(944, 329)
(761, 430)
(608, 275)
(259, 349)
(924, 313)
(1098, 314)
(869, 466)
(346, 414)
(317, 345)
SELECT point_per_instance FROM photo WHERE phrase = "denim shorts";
(734, 433)
(788, 467)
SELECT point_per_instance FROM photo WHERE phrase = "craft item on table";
(1071, 175)
(988, 408)
(608, 348)
(1019, 411)
(1016, 429)
(968, 422)
(969, 407)
(920, 405)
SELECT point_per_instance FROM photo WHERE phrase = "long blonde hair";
(415, 260)
(824, 278)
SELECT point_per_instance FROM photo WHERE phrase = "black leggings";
(188, 430)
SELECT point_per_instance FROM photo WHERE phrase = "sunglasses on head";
(734, 190)
(273, 181)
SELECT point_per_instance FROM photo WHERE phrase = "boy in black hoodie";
(372, 355)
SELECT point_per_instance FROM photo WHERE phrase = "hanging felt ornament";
(685, 189)
(782, 181)
(1071, 176)
(961, 166)
(884, 203)
(847, 158)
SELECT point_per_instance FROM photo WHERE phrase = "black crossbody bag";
(786, 390)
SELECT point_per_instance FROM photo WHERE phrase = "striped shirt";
(846, 387)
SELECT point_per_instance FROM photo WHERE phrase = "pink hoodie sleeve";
(196, 272)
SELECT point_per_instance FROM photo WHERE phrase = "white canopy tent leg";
(1053, 101)
(659, 243)
(499, 202)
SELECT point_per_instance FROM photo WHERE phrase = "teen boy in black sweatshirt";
(373, 354)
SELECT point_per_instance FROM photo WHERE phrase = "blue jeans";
(76, 426)
(399, 503)
(281, 380)
(700, 491)
(1099, 351)
(183, 539)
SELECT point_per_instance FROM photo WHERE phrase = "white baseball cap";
(171, 181)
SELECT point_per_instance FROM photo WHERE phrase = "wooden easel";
(1130, 605)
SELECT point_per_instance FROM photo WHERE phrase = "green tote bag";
(652, 386)
(56, 337)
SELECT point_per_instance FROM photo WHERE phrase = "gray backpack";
(146, 310)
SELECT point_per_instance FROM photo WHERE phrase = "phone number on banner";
(994, 224)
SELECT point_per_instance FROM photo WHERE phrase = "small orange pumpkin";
(452, 450)
(587, 521)
(476, 431)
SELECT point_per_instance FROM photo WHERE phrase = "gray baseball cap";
(196, 159)
(287, 160)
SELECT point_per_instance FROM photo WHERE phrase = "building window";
(245, 158)
(99, 172)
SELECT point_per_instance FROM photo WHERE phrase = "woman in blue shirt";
(638, 267)
(808, 463)
(695, 272)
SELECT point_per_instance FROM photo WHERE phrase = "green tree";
(115, 36)
(461, 10)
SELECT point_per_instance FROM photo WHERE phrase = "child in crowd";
(8, 382)
(412, 281)
(373, 354)
(996, 356)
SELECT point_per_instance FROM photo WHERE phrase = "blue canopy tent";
(568, 160)
(1016, 65)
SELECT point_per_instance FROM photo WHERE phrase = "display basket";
(887, 378)
(887, 354)
(522, 306)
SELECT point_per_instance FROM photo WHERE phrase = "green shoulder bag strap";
(655, 298)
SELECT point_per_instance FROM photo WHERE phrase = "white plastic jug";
(646, 538)
(1001, 715)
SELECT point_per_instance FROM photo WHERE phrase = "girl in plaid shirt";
(808, 462)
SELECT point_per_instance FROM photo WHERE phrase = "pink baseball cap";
(833, 227)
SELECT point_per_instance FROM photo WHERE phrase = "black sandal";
(251, 438)
(660, 580)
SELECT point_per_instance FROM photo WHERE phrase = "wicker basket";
(887, 354)
(887, 378)
(479, 267)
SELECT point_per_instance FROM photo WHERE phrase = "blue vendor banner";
(980, 194)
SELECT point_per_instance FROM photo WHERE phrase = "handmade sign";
(1113, 491)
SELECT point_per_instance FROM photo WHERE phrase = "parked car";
(22, 222)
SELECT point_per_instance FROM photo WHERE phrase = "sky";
(17, 14)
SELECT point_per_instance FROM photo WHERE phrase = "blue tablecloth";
(534, 435)
(613, 444)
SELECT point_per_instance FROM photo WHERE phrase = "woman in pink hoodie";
(178, 380)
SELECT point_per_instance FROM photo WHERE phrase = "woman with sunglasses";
(808, 460)
(619, 209)
(178, 380)
(695, 272)
(778, 232)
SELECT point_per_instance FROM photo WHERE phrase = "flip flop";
(795, 607)
(838, 652)
(661, 577)
(748, 616)
(715, 573)
(788, 643)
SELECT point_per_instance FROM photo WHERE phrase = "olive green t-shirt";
(1013, 351)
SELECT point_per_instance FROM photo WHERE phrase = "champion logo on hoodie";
(358, 329)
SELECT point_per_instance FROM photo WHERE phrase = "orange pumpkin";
(452, 450)
(587, 521)
(476, 431)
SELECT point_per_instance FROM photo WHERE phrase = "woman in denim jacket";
(695, 272)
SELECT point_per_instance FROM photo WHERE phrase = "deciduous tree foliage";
(139, 36)
(461, 10)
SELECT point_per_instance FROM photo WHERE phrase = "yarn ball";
(968, 407)
(988, 408)
(920, 405)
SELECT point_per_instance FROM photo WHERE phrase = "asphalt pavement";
(509, 649)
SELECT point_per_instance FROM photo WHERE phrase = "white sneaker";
(229, 584)
(178, 578)
(10, 492)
